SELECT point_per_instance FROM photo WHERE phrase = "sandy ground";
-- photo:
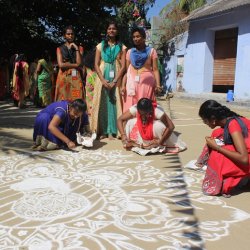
(109, 198)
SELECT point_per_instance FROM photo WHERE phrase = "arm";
(156, 74)
(67, 65)
(123, 67)
(38, 68)
(169, 128)
(121, 127)
(56, 132)
(240, 156)
(104, 82)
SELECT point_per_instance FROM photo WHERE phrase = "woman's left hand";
(158, 89)
(211, 142)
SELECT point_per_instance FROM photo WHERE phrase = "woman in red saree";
(20, 81)
(147, 126)
(227, 154)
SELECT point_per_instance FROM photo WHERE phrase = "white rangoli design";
(104, 200)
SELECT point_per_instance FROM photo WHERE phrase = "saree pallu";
(68, 87)
(89, 88)
(44, 83)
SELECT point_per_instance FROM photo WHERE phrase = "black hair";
(145, 104)
(89, 59)
(211, 109)
(117, 38)
(46, 55)
(79, 105)
(69, 27)
(140, 30)
(19, 67)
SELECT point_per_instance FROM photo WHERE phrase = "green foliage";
(132, 13)
(32, 26)
(173, 23)
(189, 5)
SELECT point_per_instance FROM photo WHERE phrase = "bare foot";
(103, 137)
(111, 137)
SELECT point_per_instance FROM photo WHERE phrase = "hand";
(106, 84)
(158, 89)
(154, 144)
(71, 144)
(112, 85)
(73, 46)
(123, 90)
(211, 143)
(129, 144)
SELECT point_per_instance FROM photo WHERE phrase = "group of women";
(121, 99)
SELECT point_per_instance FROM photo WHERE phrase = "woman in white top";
(147, 126)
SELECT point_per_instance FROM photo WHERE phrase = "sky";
(155, 10)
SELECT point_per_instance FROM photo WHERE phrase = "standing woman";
(69, 84)
(109, 66)
(90, 73)
(143, 78)
(44, 72)
(20, 81)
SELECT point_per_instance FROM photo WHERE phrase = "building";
(216, 57)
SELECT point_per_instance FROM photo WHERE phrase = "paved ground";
(108, 198)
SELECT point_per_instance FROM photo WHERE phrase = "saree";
(21, 84)
(106, 106)
(44, 82)
(222, 174)
(173, 144)
(89, 88)
(43, 138)
(69, 84)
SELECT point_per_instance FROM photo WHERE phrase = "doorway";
(225, 49)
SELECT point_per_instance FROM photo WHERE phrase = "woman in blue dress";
(56, 125)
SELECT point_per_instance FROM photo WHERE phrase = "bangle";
(68, 142)
(123, 134)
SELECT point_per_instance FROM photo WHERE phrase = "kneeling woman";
(147, 126)
(227, 150)
(56, 125)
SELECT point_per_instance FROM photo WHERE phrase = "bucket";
(230, 96)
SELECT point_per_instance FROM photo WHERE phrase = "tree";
(173, 23)
(132, 13)
(189, 5)
(32, 26)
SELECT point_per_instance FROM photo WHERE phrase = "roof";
(217, 6)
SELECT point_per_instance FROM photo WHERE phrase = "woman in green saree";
(44, 80)
(110, 67)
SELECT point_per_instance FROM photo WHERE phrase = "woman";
(148, 126)
(89, 67)
(44, 73)
(228, 149)
(69, 84)
(56, 125)
(109, 66)
(20, 81)
(143, 77)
